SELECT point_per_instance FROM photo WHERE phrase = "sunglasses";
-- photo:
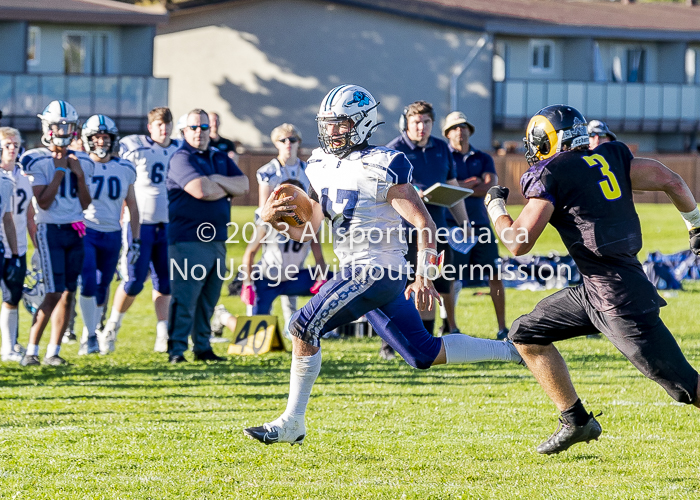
(195, 127)
(292, 140)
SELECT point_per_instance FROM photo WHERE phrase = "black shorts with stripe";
(644, 339)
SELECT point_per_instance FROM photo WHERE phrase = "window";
(691, 65)
(33, 45)
(636, 67)
(86, 53)
(498, 67)
(541, 56)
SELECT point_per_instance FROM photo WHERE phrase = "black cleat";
(567, 435)
(292, 432)
(502, 334)
(29, 360)
(207, 356)
(55, 361)
(177, 358)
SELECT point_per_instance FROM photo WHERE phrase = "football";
(304, 210)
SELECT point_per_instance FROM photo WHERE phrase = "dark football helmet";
(553, 129)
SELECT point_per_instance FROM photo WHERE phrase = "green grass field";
(132, 426)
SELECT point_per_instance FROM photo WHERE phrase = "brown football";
(304, 210)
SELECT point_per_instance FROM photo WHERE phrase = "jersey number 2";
(609, 186)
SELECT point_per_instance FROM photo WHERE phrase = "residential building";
(263, 62)
(96, 54)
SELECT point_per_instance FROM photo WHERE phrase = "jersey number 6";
(609, 186)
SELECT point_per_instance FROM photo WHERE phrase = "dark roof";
(602, 18)
(80, 12)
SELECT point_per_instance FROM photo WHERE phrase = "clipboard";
(445, 195)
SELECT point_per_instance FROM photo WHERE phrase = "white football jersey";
(7, 188)
(352, 192)
(109, 186)
(280, 253)
(21, 198)
(65, 209)
(151, 162)
(273, 173)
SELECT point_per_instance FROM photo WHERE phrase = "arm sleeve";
(182, 170)
(537, 183)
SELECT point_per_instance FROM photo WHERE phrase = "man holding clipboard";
(432, 163)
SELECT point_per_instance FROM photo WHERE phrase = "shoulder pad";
(132, 143)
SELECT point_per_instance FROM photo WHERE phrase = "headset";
(403, 122)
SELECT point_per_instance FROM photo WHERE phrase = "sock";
(443, 314)
(99, 311)
(88, 306)
(577, 414)
(304, 372)
(8, 327)
(116, 317)
(429, 325)
(32, 350)
(460, 348)
(162, 328)
(52, 350)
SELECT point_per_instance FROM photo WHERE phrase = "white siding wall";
(263, 63)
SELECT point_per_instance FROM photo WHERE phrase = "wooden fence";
(509, 169)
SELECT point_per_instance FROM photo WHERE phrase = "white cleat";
(12, 356)
(292, 431)
(106, 339)
(88, 344)
(161, 344)
(217, 326)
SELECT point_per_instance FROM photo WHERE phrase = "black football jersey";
(595, 216)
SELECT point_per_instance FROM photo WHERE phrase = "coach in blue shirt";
(432, 162)
(475, 170)
(201, 181)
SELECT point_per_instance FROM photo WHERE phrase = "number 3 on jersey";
(610, 187)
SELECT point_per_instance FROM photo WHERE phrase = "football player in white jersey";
(364, 191)
(150, 155)
(60, 186)
(112, 186)
(15, 264)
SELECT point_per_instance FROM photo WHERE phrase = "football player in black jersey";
(587, 196)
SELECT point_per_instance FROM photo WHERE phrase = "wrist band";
(496, 208)
(430, 263)
(62, 170)
(692, 218)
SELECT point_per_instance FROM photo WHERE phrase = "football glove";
(248, 295)
(695, 240)
(13, 270)
(134, 251)
(495, 193)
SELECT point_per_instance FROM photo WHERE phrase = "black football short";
(642, 338)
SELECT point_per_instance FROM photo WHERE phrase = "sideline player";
(60, 185)
(364, 190)
(151, 156)
(280, 272)
(587, 196)
(15, 265)
(112, 186)
(15, 196)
